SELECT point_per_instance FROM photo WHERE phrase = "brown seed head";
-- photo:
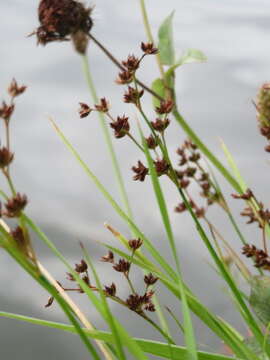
(133, 96)
(60, 19)
(148, 48)
(84, 110)
(150, 279)
(108, 258)
(15, 90)
(135, 244)
(110, 290)
(134, 302)
(103, 106)
(191, 171)
(122, 266)
(180, 208)
(121, 126)
(151, 142)
(124, 77)
(165, 107)
(141, 171)
(15, 205)
(246, 196)
(81, 267)
(6, 157)
(18, 236)
(160, 125)
(150, 307)
(162, 167)
(132, 63)
(6, 111)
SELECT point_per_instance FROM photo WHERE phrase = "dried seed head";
(6, 157)
(120, 126)
(165, 107)
(160, 125)
(84, 110)
(108, 258)
(135, 244)
(15, 90)
(132, 63)
(151, 142)
(122, 266)
(184, 183)
(6, 111)
(162, 167)
(134, 302)
(18, 236)
(15, 205)
(133, 96)
(191, 171)
(148, 48)
(110, 290)
(150, 279)
(246, 196)
(141, 171)
(103, 106)
(180, 208)
(124, 77)
(60, 19)
(82, 267)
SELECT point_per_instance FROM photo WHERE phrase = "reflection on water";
(215, 97)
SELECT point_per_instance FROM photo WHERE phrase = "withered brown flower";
(162, 167)
(61, 19)
(132, 95)
(141, 171)
(124, 77)
(110, 290)
(15, 90)
(81, 267)
(84, 110)
(122, 266)
(132, 63)
(148, 48)
(160, 125)
(103, 105)
(121, 126)
(108, 258)
(151, 142)
(6, 157)
(135, 244)
(150, 279)
(6, 111)
(165, 107)
(15, 205)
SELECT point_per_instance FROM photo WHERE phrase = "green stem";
(107, 137)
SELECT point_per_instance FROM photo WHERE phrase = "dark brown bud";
(184, 183)
(122, 266)
(200, 212)
(103, 106)
(132, 63)
(165, 107)
(110, 290)
(15, 90)
(147, 297)
(50, 302)
(84, 110)
(151, 142)
(108, 258)
(148, 48)
(162, 167)
(15, 205)
(150, 279)
(6, 111)
(6, 157)
(141, 171)
(160, 125)
(124, 77)
(194, 157)
(121, 126)
(81, 267)
(132, 95)
(135, 244)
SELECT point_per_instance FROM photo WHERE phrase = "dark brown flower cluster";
(138, 303)
(140, 171)
(14, 206)
(61, 20)
(263, 112)
(120, 126)
(132, 64)
(192, 169)
(260, 257)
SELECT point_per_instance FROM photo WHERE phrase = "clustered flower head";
(260, 257)
(192, 169)
(62, 20)
(15, 205)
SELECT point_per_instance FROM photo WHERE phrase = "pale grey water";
(215, 97)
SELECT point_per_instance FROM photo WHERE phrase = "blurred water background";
(215, 97)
